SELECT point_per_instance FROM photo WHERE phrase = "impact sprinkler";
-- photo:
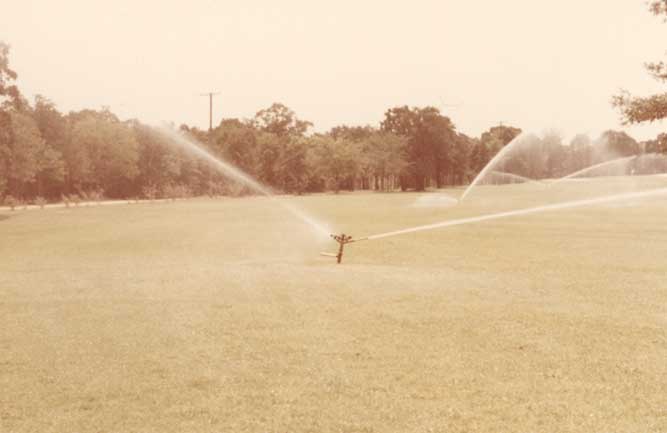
(342, 239)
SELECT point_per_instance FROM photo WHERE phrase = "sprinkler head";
(342, 239)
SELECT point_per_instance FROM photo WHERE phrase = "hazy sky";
(535, 64)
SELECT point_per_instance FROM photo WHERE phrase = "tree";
(660, 145)
(615, 144)
(7, 76)
(105, 155)
(385, 153)
(291, 168)
(460, 159)
(499, 136)
(494, 140)
(429, 136)
(7, 88)
(20, 155)
(365, 163)
(335, 160)
(556, 155)
(650, 108)
(353, 133)
(479, 156)
(53, 128)
(581, 152)
(280, 120)
(159, 163)
(237, 142)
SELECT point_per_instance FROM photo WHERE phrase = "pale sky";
(535, 64)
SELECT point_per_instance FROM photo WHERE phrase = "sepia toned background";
(535, 64)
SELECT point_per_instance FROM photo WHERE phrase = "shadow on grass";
(4, 217)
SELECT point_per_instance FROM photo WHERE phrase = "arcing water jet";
(593, 167)
(239, 175)
(516, 177)
(343, 239)
(499, 156)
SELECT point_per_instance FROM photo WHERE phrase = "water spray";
(593, 167)
(343, 239)
(499, 156)
(238, 175)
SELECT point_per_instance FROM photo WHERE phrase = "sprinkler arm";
(342, 239)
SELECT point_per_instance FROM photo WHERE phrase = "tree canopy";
(89, 153)
(638, 109)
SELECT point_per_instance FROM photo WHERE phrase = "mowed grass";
(219, 315)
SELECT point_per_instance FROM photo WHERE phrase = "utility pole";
(210, 109)
(210, 132)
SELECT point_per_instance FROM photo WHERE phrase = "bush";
(169, 192)
(11, 201)
(95, 195)
(183, 191)
(174, 192)
(65, 199)
(75, 198)
(40, 201)
(235, 189)
(150, 192)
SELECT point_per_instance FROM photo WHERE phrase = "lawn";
(211, 315)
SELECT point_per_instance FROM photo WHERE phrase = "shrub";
(65, 199)
(150, 192)
(95, 195)
(174, 192)
(183, 191)
(11, 201)
(215, 189)
(169, 192)
(75, 198)
(234, 189)
(40, 201)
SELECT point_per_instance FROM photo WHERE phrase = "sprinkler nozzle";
(342, 239)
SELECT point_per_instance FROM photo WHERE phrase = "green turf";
(219, 315)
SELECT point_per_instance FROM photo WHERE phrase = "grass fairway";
(219, 315)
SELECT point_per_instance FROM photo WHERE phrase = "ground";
(214, 315)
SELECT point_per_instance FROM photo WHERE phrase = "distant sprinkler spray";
(343, 239)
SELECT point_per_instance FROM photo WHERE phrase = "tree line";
(49, 155)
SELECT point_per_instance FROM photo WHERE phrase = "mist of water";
(516, 177)
(240, 176)
(499, 156)
(528, 211)
(594, 167)
(435, 200)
